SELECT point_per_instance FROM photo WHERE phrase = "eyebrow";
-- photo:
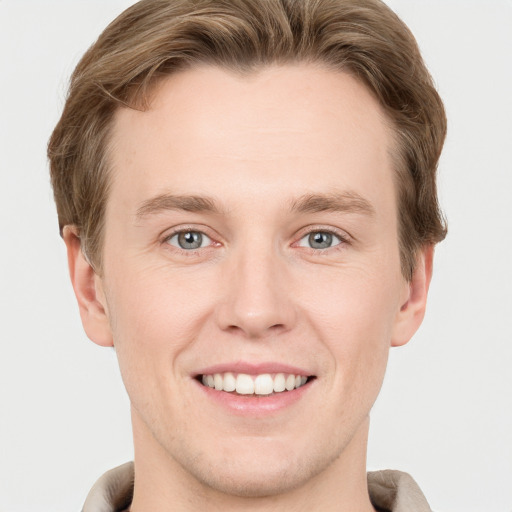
(164, 202)
(345, 202)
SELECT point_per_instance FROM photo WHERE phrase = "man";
(247, 194)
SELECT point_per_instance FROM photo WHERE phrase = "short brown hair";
(154, 38)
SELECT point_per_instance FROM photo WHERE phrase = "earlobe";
(88, 291)
(414, 302)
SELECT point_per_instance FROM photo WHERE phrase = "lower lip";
(254, 405)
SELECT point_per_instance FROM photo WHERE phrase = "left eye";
(189, 240)
(319, 240)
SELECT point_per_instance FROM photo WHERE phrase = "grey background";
(445, 412)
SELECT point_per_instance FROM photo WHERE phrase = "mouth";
(254, 390)
(244, 384)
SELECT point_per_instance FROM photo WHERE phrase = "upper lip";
(252, 368)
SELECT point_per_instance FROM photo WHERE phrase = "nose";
(256, 296)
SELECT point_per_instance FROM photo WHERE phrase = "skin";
(257, 146)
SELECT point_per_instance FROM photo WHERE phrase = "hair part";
(155, 38)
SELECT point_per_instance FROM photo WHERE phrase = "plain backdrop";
(445, 411)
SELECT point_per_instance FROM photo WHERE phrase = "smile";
(244, 384)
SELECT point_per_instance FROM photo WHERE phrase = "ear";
(88, 289)
(414, 300)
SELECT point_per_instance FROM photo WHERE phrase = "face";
(250, 247)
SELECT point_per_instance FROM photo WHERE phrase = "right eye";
(320, 240)
(189, 240)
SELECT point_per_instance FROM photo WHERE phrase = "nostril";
(255, 331)
(256, 311)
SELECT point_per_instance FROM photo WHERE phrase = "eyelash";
(343, 239)
(188, 252)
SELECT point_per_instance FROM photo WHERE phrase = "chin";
(258, 469)
(254, 480)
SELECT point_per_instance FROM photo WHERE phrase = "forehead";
(299, 128)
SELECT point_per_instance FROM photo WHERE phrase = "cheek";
(156, 297)
(354, 315)
(156, 314)
(362, 299)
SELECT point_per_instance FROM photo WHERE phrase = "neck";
(162, 484)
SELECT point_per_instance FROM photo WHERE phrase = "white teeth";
(244, 384)
(263, 384)
(290, 382)
(279, 383)
(218, 381)
(229, 382)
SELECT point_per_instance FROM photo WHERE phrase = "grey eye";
(189, 240)
(319, 240)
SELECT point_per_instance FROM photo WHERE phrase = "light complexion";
(251, 241)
